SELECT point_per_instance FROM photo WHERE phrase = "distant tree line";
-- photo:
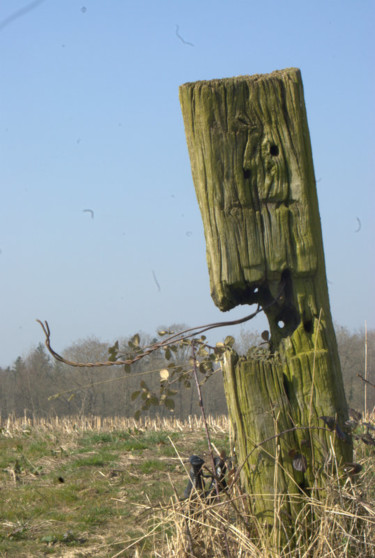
(40, 386)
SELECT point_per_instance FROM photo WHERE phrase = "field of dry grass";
(89, 486)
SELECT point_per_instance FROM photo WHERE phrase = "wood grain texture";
(252, 168)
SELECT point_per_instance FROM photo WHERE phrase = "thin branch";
(177, 337)
(366, 381)
(208, 437)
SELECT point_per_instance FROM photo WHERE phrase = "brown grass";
(13, 425)
(140, 511)
(342, 525)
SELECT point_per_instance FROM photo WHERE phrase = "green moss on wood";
(253, 173)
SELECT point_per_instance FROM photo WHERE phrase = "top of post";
(287, 72)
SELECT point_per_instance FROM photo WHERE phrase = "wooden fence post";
(252, 167)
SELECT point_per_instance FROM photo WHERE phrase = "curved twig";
(176, 337)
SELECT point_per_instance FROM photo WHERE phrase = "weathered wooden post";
(252, 168)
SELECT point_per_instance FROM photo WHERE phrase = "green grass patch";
(86, 489)
(97, 460)
(150, 466)
(167, 451)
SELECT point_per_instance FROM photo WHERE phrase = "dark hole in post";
(308, 326)
(274, 150)
(246, 173)
(286, 385)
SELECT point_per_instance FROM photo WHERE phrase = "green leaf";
(170, 404)
(154, 400)
(113, 352)
(135, 339)
(202, 351)
(168, 353)
(229, 341)
(134, 395)
(205, 366)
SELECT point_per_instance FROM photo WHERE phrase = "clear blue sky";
(90, 119)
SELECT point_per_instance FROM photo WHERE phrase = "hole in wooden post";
(246, 173)
(308, 326)
(274, 150)
(286, 385)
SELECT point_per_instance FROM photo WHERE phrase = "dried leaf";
(352, 468)
(135, 339)
(164, 375)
